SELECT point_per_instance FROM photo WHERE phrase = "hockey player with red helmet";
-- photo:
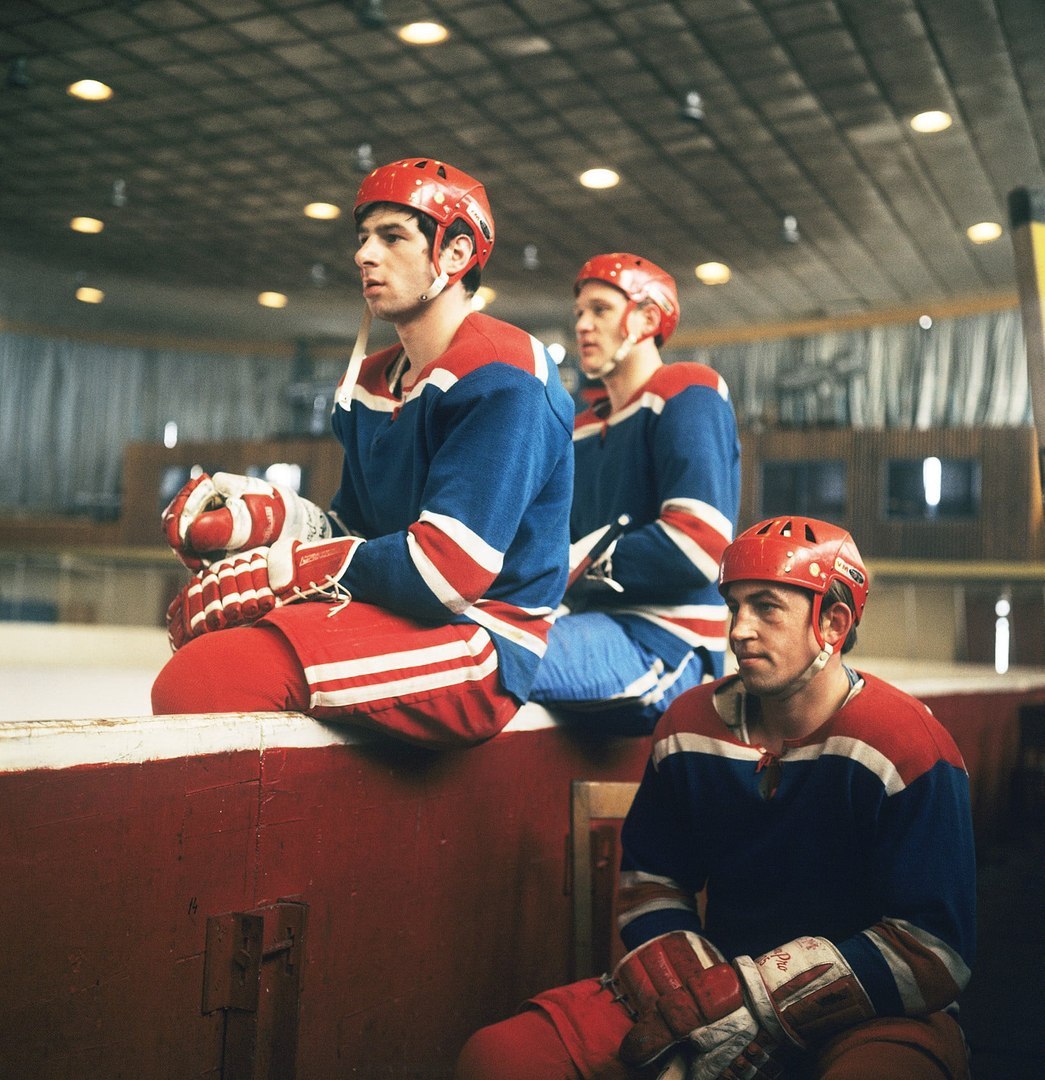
(826, 814)
(658, 447)
(420, 603)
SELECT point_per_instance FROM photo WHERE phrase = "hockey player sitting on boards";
(420, 604)
(659, 447)
(826, 813)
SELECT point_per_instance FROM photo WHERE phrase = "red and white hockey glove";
(212, 517)
(240, 589)
(671, 985)
(747, 1019)
(804, 991)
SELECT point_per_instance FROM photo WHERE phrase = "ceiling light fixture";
(599, 179)
(983, 232)
(18, 74)
(119, 193)
(423, 33)
(713, 273)
(272, 299)
(89, 90)
(365, 158)
(318, 275)
(86, 225)
(88, 295)
(925, 123)
(530, 259)
(692, 107)
(789, 229)
(322, 211)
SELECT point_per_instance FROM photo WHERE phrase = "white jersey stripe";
(374, 402)
(397, 661)
(530, 642)
(666, 618)
(903, 976)
(630, 879)
(663, 904)
(837, 745)
(444, 592)
(587, 430)
(704, 562)
(690, 742)
(438, 377)
(540, 360)
(653, 402)
(702, 511)
(471, 543)
(955, 965)
(404, 685)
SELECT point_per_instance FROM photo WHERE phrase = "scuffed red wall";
(987, 731)
(435, 885)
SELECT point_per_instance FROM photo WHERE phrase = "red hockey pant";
(575, 1035)
(414, 682)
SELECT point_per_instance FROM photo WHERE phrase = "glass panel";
(812, 488)
(932, 489)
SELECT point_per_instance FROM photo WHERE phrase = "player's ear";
(835, 623)
(456, 253)
(650, 316)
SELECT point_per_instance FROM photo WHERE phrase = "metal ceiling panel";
(230, 115)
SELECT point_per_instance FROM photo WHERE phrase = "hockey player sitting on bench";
(419, 605)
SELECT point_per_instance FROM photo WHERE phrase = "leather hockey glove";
(671, 985)
(242, 588)
(768, 1009)
(212, 517)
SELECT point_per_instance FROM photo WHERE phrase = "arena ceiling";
(229, 116)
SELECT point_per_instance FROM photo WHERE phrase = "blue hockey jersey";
(461, 487)
(671, 460)
(863, 837)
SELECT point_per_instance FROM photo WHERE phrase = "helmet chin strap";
(623, 349)
(437, 286)
(810, 673)
(442, 278)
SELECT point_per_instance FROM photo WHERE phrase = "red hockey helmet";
(641, 281)
(798, 551)
(442, 192)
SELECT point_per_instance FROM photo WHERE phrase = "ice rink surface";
(68, 671)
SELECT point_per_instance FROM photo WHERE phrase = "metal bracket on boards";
(245, 953)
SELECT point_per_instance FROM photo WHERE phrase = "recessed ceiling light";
(692, 107)
(272, 299)
(86, 225)
(423, 33)
(713, 273)
(983, 232)
(599, 178)
(484, 296)
(85, 294)
(322, 211)
(934, 120)
(90, 90)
